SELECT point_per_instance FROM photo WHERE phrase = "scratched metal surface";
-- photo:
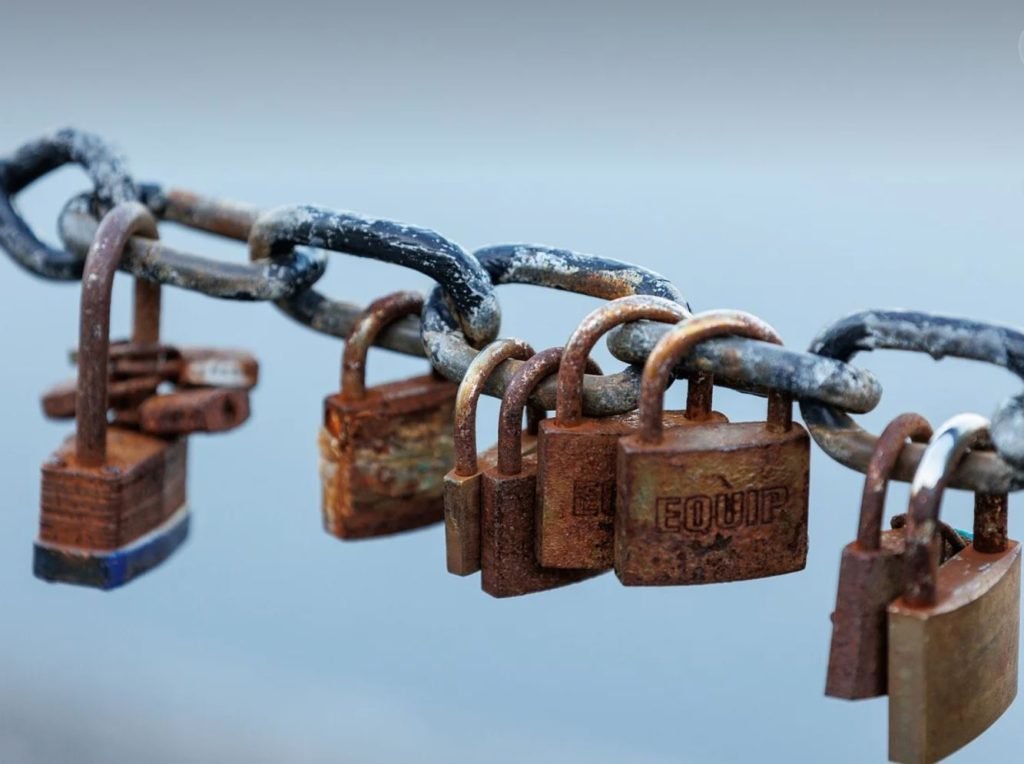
(800, 167)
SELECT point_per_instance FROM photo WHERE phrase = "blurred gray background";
(797, 161)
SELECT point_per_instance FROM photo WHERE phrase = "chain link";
(463, 313)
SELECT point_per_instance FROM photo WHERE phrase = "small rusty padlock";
(955, 632)
(870, 576)
(201, 409)
(576, 482)
(462, 483)
(384, 449)
(508, 560)
(710, 502)
(113, 499)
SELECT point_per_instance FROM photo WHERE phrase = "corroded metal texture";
(384, 449)
(509, 564)
(217, 367)
(207, 409)
(122, 395)
(870, 577)
(576, 478)
(710, 502)
(462, 483)
(755, 366)
(948, 684)
(463, 279)
(112, 184)
(107, 489)
(938, 336)
(286, 273)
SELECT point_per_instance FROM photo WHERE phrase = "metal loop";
(938, 336)
(753, 366)
(112, 185)
(451, 354)
(277, 278)
(421, 249)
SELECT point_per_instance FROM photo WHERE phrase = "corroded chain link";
(462, 313)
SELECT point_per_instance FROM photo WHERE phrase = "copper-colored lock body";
(509, 565)
(577, 454)
(713, 502)
(462, 484)
(384, 449)
(870, 577)
(113, 499)
(954, 635)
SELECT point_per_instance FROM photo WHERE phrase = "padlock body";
(208, 409)
(869, 579)
(102, 526)
(384, 457)
(953, 665)
(712, 503)
(576, 499)
(508, 558)
(462, 501)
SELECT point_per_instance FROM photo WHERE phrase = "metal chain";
(462, 313)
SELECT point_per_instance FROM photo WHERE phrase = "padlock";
(508, 560)
(870, 576)
(123, 394)
(576, 482)
(462, 483)
(710, 502)
(954, 634)
(385, 449)
(113, 499)
(217, 367)
(201, 409)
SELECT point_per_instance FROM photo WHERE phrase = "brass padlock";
(954, 634)
(113, 499)
(508, 561)
(462, 483)
(710, 502)
(384, 449)
(576, 482)
(870, 576)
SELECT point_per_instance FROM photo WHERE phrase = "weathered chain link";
(463, 312)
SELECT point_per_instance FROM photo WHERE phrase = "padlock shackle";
(569, 400)
(678, 342)
(887, 452)
(946, 449)
(379, 315)
(468, 396)
(117, 227)
(510, 422)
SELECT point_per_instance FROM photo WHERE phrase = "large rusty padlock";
(508, 560)
(113, 499)
(576, 482)
(710, 502)
(462, 483)
(384, 449)
(870, 576)
(955, 632)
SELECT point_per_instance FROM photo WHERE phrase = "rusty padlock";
(201, 409)
(229, 368)
(955, 632)
(462, 483)
(710, 502)
(870, 576)
(508, 559)
(384, 450)
(113, 499)
(122, 395)
(576, 482)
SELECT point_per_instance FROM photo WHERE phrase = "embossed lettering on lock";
(384, 449)
(710, 502)
(954, 634)
(576, 504)
(113, 499)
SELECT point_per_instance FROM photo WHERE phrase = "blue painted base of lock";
(113, 568)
